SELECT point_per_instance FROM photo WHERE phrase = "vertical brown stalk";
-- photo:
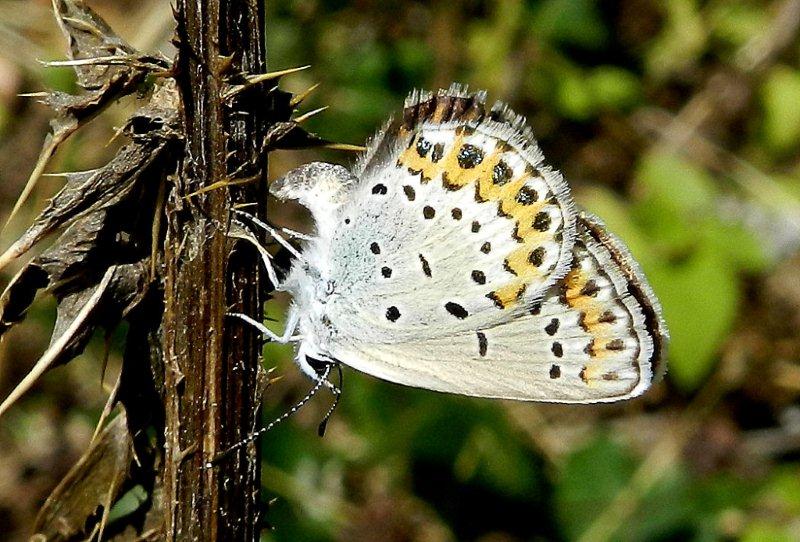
(212, 362)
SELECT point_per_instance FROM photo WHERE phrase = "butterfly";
(450, 257)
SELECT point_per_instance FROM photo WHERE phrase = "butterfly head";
(318, 186)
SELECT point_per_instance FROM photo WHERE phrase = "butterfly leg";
(272, 231)
(294, 233)
(240, 231)
(288, 333)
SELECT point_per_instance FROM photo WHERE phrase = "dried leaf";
(290, 135)
(89, 37)
(60, 265)
(64, 342)
(93, 484)
(152, 128)
(79, 313)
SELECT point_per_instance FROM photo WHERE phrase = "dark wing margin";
(638, 288)
(455, 104)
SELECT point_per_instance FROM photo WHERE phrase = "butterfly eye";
(318, 365)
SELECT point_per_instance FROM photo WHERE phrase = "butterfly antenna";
(321, 381)
(337, 393)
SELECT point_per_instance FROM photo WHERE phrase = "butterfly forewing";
(455, 223)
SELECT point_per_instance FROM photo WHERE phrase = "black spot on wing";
(527, 196)
(438, 152)
(483, 344)
(426, 268)
(392, 314)
(607, 317)
(456, 310)
(615, 344)
(590, 288)
(542, 221)
(536, 256)
(423, 147)
(469, 156)
(501, 173)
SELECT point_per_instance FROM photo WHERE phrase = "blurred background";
(677, 121)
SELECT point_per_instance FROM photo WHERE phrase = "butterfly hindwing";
(597, 335)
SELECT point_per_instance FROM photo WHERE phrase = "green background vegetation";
(678, 122)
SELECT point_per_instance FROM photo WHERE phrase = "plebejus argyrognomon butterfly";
(451, 258)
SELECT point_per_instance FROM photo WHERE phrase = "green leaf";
(700, 297)
(737, 22)
(589, 481)
(764, 531)
(782, 491)
(674, 201)
(593, 477)
(614, 88)
(570, 22)
(414, 58)
(574, 96)
(672, 181)
(498, 461)
(680, 43)
(780, 98)
(740, 246)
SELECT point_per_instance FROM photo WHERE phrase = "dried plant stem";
(212, 363)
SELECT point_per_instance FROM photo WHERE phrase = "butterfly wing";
(455, 223)
(455, 261)
(597, 335)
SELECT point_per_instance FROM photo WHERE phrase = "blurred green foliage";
(699, 177)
